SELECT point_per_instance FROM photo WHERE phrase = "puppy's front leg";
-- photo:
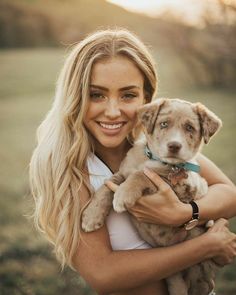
(134, 187)
(93, 216)
(177, 285)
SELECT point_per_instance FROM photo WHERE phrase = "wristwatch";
(195, 217)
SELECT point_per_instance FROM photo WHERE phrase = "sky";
(190, 10)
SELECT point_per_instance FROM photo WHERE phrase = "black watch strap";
(195, 214)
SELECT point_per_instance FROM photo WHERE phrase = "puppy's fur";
(174, 131)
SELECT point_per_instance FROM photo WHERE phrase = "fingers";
(141, 211)
(219, 225)
(135, 212)
(111, 185)
(156, 179)
(222, 222)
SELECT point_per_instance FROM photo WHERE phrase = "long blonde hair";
(57, 167)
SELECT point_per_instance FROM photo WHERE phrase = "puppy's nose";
(174, 146)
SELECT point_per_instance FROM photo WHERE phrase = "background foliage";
(197, 64)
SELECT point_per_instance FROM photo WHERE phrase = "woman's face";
(116, 91)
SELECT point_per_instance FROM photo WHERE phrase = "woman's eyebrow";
(129, 87)
(99, 87)
(121, 89)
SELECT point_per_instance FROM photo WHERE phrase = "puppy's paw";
(118, 205)
(121, 203)
(90, 221)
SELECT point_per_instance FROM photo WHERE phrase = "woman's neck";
(112, 157)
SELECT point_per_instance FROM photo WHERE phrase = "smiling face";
(116, 91)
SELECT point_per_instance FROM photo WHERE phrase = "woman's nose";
(112, 109)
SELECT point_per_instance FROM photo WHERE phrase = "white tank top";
(123, 234)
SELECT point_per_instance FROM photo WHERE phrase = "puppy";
(174, 132)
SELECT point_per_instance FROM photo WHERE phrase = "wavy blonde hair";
(58, 164)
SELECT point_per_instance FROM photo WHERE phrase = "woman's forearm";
(123, 270)
(219, 202)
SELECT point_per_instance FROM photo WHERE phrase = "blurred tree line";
(208, 50)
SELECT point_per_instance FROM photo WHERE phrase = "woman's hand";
(163, 207)
(225, 243)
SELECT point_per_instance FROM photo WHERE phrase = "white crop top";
(123, 234)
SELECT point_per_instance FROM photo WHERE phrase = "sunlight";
(189, 10)
(154, 7)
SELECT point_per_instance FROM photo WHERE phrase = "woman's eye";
(96, 95)
(128, 96)
(189, 128)
(164, 124)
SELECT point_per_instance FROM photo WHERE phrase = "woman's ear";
(147, 114)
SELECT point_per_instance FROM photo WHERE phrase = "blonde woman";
(82, 141)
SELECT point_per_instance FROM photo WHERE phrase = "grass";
(26, 92)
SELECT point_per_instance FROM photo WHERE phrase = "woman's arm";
(220, 200)
(110, 271)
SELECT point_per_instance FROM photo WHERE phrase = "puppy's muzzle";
(174, 147)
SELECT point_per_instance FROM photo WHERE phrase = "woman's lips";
(111, 128)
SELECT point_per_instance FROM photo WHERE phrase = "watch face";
(191, 224)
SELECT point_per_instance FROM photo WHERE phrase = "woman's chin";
(112, 143)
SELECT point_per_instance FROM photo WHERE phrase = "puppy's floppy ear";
(147, 114)
(209, 122)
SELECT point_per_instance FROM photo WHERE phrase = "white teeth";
(111, 126)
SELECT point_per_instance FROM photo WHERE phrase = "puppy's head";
(175, 128)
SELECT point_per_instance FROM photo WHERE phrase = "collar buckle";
(175, 168)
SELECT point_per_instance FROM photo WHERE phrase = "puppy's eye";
(189, 128)
(164, 124)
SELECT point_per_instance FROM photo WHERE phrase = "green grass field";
(26, 92)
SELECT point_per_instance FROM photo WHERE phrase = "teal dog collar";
(186, 166)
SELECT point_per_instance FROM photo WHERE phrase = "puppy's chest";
(191, 188)
(187, 185)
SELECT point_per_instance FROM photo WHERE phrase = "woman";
(106, 77)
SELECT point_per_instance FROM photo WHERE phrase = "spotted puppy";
(174, 132)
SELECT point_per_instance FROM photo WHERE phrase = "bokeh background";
(194, 44)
